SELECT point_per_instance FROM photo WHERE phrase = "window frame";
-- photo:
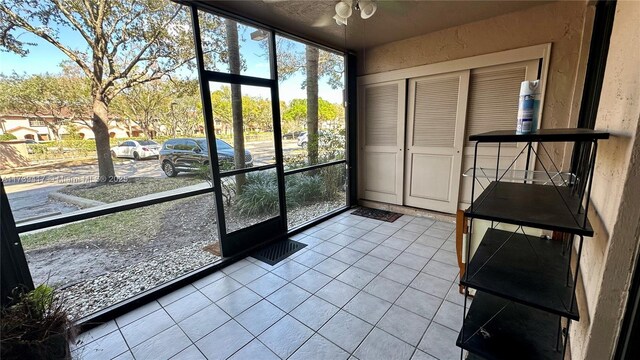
(171, 285)
(350, 146)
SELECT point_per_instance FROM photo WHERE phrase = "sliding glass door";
(276, 125)
(240, 104)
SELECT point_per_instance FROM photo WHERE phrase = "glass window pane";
(311, 194)
(250, 198)
(62, 176)
(101, 261)
(245, 111)
(232, 47)
(312, 104)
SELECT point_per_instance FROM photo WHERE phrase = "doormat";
(277, 252)
(377, 214)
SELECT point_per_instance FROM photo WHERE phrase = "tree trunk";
(312, 55)
(236, 102)
(100, 128)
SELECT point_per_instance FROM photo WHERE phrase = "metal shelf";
(525, 269)
(531, 176)
(541, 135)
(498, 329)
(533, 205)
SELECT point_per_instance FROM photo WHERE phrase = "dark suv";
(185, 155)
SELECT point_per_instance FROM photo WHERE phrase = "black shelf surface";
(527, 269)
(541, 135)
(516, 332)
(533, 205)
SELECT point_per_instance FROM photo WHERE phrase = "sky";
(45, 57)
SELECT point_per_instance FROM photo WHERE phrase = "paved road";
(28, 192)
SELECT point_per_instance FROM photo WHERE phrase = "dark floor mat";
(377, 214)
(277, 252)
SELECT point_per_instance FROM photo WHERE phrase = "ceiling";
(394, 20)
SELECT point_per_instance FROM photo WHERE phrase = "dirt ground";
(182, 223)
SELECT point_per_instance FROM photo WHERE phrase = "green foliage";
(72, 131)
(303, 189)
(38, 149)
(61, 97)
(331, 147)
(291, 60)
(256, 110)
(259, 195)
(122, 44)
(40, 300)
(166, 106)
(35, 326)
(7, 136)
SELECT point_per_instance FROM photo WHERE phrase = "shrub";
(38, 148)
(303, 189)
(36, 326)
(259, 195)
(333, 179)
(5, 137)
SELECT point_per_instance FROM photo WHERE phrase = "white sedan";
(136, 149)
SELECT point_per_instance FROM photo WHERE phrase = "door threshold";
(408, 210)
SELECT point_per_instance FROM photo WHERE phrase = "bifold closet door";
(493, 105)
(381, 139)
(434, 140)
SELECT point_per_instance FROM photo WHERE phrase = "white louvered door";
(434, 140)
(493, 105)
(381, 132)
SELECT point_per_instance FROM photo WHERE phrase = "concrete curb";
(75, 200)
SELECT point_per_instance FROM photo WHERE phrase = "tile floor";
(361, 289)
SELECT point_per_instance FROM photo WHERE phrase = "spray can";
(528, 107)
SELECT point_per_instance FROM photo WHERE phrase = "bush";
(259, 195)
(36, 326)
(6, 137)
(303, 189)
(38, 148)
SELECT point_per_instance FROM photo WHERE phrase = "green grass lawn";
(114, 230)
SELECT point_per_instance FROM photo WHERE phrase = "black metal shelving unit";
(525, 284)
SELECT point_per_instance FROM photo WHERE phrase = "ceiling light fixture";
(344, 9)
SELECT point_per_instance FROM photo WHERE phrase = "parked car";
(186, 155)
(293, 134)
(29, 142)
(325, 139)
(303, 139)
(136, 150)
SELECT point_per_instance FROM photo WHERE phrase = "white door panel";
(427, 181)
(434, 141)
(381, 139)
(493, 105)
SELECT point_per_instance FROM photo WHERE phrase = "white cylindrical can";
(528, 107)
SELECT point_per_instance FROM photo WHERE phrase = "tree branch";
(73, 20)
(19, 21)
(144, 49)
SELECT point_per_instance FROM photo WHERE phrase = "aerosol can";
(528, 107)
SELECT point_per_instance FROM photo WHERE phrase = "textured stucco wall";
(561, 23)
(608, 257)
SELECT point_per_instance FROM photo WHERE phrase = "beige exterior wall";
(562, 24)
(22, 133)
(608, 257)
